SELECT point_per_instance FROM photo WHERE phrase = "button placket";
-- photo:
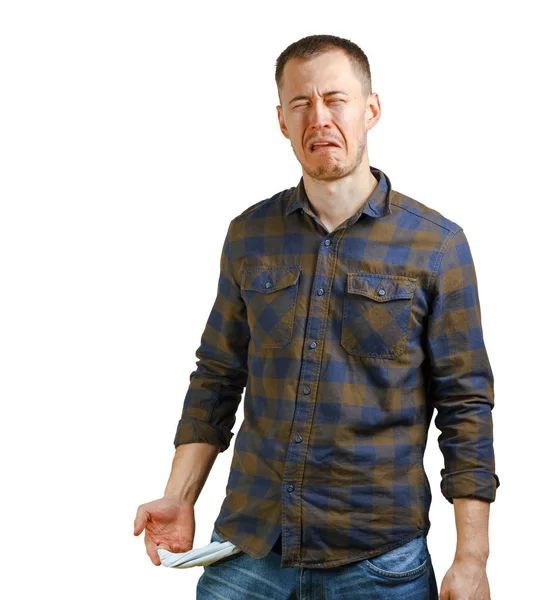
(315, 330)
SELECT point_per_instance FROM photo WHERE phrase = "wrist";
(180, 497)
(474, 554)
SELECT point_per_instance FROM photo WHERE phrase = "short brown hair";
(313, 45)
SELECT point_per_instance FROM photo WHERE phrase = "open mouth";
(323, 147)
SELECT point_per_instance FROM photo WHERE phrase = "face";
(322, 98)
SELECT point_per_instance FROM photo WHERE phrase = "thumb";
(140, 521)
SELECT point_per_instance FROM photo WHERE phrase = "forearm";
(472, 521)
(191, 466)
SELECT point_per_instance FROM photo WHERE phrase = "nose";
(320, 116)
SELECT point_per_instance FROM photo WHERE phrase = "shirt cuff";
(193, 430)
(477, 483)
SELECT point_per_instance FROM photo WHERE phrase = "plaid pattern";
(345, 342)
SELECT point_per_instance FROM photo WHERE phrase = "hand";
(466, 580)
(168, 523)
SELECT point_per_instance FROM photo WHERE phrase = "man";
(349, 311)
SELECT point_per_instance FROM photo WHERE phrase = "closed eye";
(329, 101)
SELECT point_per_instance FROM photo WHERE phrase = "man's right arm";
(191, 466)
(207, 418)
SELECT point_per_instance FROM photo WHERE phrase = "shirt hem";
(332, 563)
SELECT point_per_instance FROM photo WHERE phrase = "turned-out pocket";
(376, 314)
(270, 295)
(233, 557)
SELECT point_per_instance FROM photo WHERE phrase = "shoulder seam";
(424, 217)
(257, 205)
(440, 257)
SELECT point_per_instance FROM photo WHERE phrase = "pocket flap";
(269, 279)
(380, 287)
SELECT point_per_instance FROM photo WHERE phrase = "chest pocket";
(270, 294)
(376, 314)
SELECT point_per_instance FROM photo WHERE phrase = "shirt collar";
(378, 204)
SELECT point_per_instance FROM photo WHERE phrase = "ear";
(372, 113)
(281, 121)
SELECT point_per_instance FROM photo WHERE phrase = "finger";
(140, 520)
(173, 547)
(151, 549)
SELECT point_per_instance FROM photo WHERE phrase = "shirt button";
(320, 292)
(290, 488)
(313, 345)
(327, 242)
(298, 439)
(268, 284)
(306, 390)
(381, 292)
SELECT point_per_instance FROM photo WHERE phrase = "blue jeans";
(404, 573)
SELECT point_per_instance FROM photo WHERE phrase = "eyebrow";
(330, 93)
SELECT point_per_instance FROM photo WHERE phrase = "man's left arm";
(472, 522)
(461, 387)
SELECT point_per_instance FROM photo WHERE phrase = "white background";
(131, 134)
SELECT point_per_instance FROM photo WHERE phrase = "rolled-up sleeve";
(461, 382)
(216, 386)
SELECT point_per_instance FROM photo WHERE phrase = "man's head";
(308, 74)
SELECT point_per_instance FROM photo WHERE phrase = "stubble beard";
(332, 169)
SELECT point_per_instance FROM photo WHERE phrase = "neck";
(335, 201)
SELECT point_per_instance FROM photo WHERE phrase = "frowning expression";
(324, 114)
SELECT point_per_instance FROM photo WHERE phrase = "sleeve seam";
(227, 250)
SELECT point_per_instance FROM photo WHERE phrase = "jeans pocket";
(404, 562)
